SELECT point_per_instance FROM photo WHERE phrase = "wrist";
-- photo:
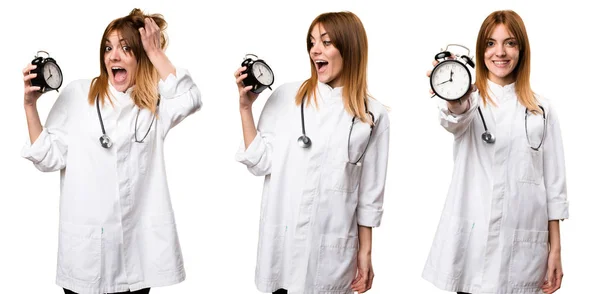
(555, 250)
(30, 105)
(245, 108)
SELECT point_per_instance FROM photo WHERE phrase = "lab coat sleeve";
(373, 177)
(258, 156)
(554, 170)
(180, 97)
(457, 124)
(49, 151)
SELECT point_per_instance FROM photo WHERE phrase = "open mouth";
(119, 73)
(500, 62)
(321, 64)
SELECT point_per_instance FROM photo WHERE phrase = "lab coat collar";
(328, 93)
(120, 96)
(501, 93)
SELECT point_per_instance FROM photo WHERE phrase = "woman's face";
(120, 62)
(501, 56)
(327, 58)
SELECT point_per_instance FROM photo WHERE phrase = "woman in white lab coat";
(319, 203)
(117, 228)
(499, 230)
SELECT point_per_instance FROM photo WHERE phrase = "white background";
(217, 201)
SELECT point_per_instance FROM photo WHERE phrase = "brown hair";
(145, 94)
(348, 35)
(514, 24)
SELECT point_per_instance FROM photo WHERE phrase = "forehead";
(317, 31)
(501, 32)
(114, 37)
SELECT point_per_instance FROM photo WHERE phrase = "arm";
(257, 147)
(47, 146)
(556, 195)
(180, 96)
(554, 169)
(31, 95)
(555, 272)
(364, 278)
(151, 35)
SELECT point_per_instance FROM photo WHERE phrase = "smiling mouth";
(500, 62)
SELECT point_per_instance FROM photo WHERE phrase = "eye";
(126, 48)
(511, 43)
(490, 43)
(107, 48)
(327, 42)
(311, 44)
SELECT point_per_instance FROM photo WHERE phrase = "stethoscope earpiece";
(304, 141)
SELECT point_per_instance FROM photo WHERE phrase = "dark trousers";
(142, 291)
(280, 291)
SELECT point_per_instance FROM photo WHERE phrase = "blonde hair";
(145, 93)
(348, 35)
(514, 24)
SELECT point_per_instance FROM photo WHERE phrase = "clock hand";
(443, 82)
(451, 74)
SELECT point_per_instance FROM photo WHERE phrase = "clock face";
(263, 73)
(450, 80)
(52, 75)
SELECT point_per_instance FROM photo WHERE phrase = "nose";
(316, 48)
(500, 50)
(114, 54)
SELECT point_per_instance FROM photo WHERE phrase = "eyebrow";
(108, 41)
(322, 35)
(509, 38)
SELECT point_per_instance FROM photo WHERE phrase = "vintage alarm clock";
(49, 76)
(451, 78)
(260, 76)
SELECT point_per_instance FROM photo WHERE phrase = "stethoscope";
(489, 138)
(305, 142)
(106, 142)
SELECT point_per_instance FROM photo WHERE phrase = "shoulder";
(380, 112)
(284, 94)
(548, 107)
(74, 92)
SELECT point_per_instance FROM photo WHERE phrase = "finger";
(435, 62)
(239, 71)
(29, 68)
(241, 78)
(29, 77)
(370, 282)
(551, 278)
(32, 89)
(431, 91)
(428, 73)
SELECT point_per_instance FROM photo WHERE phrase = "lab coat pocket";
(79, 252)
(160, 245)
(530, 166)
(342, 176)
(337, 263)
(270, 253)
(528, 259)
(448, 253)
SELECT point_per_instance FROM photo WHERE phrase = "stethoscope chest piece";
(105, 141)
(488, 137)
(304, 141)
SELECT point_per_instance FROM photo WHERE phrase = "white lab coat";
(117, 228)
(493, 232)
(313, 200)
